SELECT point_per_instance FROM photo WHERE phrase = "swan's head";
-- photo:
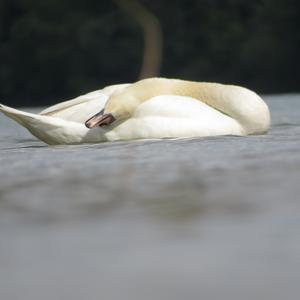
(117, 109)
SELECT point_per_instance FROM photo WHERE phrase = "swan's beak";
(99, 119)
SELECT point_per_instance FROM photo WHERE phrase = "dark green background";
(51, 50)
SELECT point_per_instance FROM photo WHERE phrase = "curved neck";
(239, 103)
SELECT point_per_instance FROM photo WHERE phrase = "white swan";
(150, 108)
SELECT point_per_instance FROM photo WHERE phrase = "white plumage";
(159, 116)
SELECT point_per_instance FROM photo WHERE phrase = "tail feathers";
(49, 129)
(19, 116)
(34, 120)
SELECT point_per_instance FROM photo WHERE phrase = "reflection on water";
(160, 219)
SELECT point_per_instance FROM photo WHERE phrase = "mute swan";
(150, 108)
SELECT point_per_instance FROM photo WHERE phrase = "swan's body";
(151, 108)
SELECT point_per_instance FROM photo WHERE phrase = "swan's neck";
(239, 103)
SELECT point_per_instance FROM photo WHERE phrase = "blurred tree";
(56, 49)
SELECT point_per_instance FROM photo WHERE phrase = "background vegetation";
(52, 50)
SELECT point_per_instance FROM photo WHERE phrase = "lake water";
(204, 218)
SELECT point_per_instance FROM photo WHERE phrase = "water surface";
(204, 218)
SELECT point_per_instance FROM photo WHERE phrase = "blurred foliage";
(52, 50)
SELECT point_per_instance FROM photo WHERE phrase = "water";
(204, 218)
